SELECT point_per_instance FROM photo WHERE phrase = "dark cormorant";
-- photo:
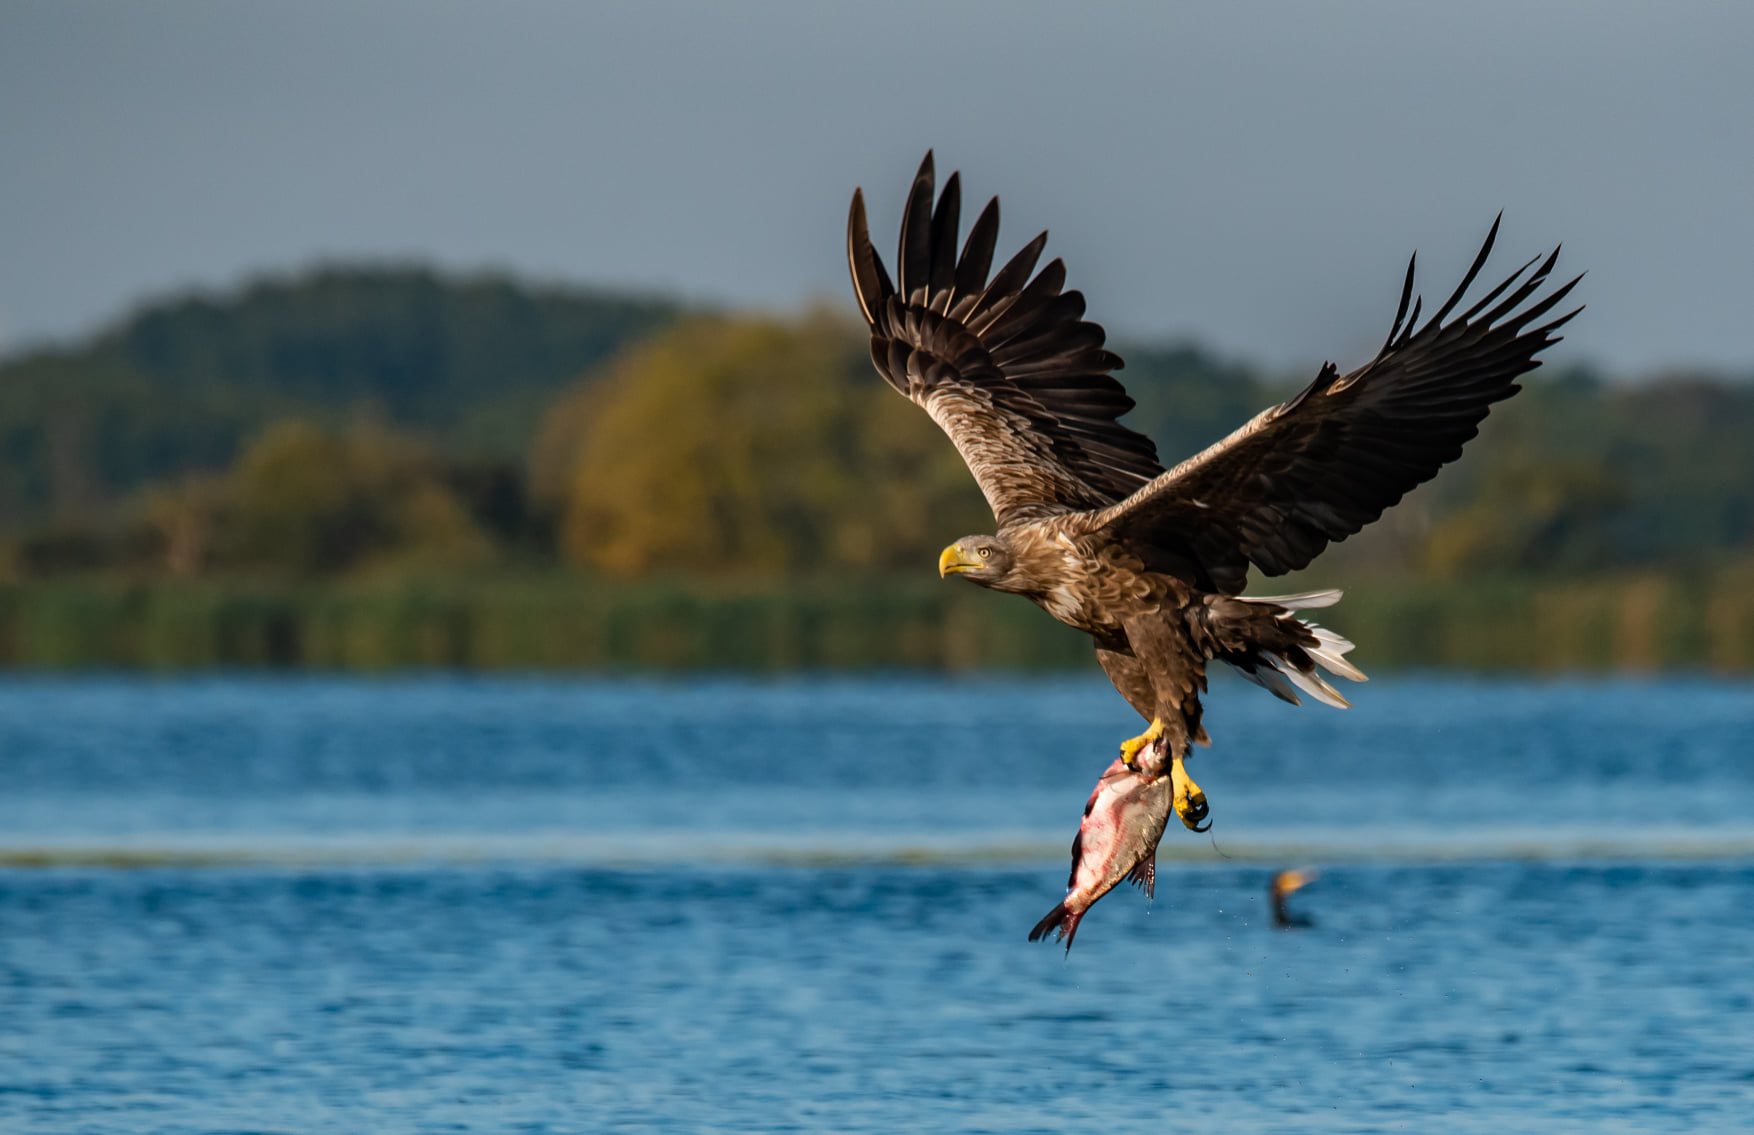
(1283, 885)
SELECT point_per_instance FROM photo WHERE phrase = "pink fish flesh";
(1117, 839)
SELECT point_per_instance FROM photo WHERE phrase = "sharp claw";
(1190, 803)
(1197, 811)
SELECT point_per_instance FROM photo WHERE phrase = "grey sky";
(1251, 174)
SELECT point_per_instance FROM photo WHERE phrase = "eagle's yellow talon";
(1190, 802)
(1130, 748)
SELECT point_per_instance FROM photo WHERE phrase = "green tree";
(307, 501)
(1530, 516)
(1187, 398)
(752, 447)
(178, 387)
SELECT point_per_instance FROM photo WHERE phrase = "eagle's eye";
(985, 552)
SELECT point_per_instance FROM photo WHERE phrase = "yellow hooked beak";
(1290, 882)
(951, 560)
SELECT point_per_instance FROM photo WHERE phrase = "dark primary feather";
(1007, 367)
(1321, 466)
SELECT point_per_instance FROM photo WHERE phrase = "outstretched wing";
(1321, 466)
(1007, 367)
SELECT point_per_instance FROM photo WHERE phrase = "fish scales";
(1117, 839)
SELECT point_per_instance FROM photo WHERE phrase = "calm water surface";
(541, 905)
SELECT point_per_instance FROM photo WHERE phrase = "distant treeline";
(181, 386)
(386, 467)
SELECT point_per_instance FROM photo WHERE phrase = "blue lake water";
(412, 905)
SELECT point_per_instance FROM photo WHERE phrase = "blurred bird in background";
(1284, 885)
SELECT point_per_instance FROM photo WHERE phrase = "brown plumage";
(1092, 528)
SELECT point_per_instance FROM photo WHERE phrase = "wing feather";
(1320, 466)
(1008, 367)
(977, 255)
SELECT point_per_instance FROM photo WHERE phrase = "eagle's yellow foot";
(1130, 748)
(1190, 802)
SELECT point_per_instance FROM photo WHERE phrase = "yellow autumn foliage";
(751, 447)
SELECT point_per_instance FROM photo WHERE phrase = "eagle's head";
(985, 560)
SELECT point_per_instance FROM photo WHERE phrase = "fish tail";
(1061, 921)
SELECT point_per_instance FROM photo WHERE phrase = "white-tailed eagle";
(1090, 526)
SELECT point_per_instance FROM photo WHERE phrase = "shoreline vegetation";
(1625, 623)
(378, 468)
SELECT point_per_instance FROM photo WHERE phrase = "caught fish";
(1117, 839)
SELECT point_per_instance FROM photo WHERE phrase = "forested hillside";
(355, 440)
(180, 385)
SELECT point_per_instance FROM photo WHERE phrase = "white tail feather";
(1277, 674)
(1269, 677)
(1316, 687)
(1330, 650)
(1302, 601)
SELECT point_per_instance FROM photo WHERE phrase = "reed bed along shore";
(1629, 622)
